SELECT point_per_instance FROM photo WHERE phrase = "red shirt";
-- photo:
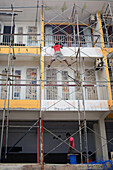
(71, 139)
(57, 47)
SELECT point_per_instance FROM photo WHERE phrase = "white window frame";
(46, 86)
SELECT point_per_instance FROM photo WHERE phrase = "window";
(110, 36)
(91, 92)
(20, 37)
(78, 88)
(32, 39)
(82, 37)
(85, 36)
(58, 33)
(17, 89)
(65, 88)
(3, 88)
(31, 91)
(51, 78)
(48, 36)
(111, 79)
(6, 37)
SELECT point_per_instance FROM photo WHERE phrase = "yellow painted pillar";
(93, 38)
(105, 60)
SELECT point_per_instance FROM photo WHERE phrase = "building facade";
(75, 99)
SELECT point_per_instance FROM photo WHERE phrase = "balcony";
(30, 43)
(21, 43)
(30, 90)
(70, 41)
(28, 95)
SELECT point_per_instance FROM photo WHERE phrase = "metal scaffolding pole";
(7, 90)
(74, 18)
(42, 90)
(85, 124)
(80, 134)
(78, 32)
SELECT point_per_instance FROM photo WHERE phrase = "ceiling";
(55, 10)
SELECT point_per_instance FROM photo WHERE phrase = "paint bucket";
(73, 159)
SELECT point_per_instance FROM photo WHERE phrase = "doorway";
(6, 38)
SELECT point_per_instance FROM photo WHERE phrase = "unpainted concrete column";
(97, 141)
(104, 139)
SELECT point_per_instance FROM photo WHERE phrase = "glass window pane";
(51, 78)
(31, 91)
(65, 89)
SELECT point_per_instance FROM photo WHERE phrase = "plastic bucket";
(73, 159)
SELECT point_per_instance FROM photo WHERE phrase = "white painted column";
(104, 139)
(97, 141)
(59, 78)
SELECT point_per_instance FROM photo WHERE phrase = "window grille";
(3, 88)
(31, 91)
(17, 89)
(78, 88)
(32, 39)
(20, 37)
(91, 92)
(51, 78)
(65, 89)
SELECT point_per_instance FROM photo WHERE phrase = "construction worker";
(71, 143)
(58, 53)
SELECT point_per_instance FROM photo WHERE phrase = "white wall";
(96, 31)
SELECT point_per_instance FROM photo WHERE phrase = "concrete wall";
(29, 142)
(96, 31)
(109, 133)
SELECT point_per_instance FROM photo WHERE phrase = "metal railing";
(74, 92)
(55, 91)
(49, 40)
(21, 92)
(20, 39)
(71, 41)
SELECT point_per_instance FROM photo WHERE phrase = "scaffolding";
(43, 84)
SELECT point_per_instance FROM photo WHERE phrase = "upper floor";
(71, 24)
(60, 82)
(27, 35)
(34, 29)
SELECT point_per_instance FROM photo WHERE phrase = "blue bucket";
(73, 159)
